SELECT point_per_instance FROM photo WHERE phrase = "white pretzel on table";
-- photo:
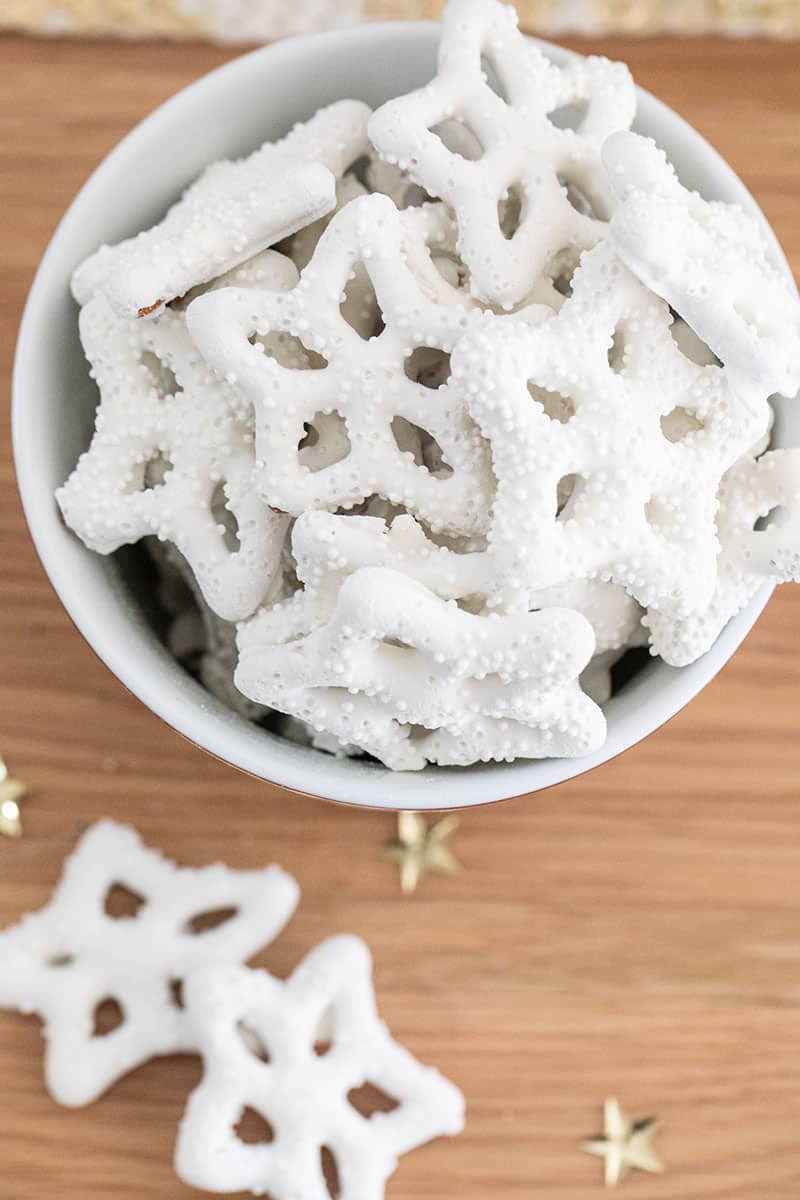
(544, 178)
(410, 678)
(63, 961)
(258, 1036)
(758, 526)
(361, 382)
(711, 261)
(229, 214)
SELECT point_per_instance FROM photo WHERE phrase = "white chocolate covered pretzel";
(65, 960)
(759, 531)
(261, 1042)
(410, 678)
(362, 382)
(233, 211)
(590, 482)
(710, 261)
(523, 186)
(173, 456)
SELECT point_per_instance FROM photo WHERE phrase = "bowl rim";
(207, 723)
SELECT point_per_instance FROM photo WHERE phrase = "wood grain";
(634, 932)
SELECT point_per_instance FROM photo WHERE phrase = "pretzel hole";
(397, 643)
(253, 1129)
(657, 513)
(162, 377)
(325, 441)
(323, 1035)
(580, 199)
(359, 305)
(176, 993)
(204, 922)
(567, 490)
(472, 604)
(330, 1172)
(459, 138)
(108, 1016)
(510, 210)
(122, 902)
(561, 268)
(156, 470)
(422, 446)
(776, 518)
(569, 116)
(58, 961)
(370, 1099)
(690, 344)
(287, 350)
(491, 77)
(554, 405)
(252, 1041)
(616, 351)
(679, 423)
(428, 365)
(451, 268)
(225, 519)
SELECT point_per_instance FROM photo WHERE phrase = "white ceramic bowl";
(228, 113)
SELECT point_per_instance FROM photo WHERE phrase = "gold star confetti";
(625, 1144)
(11, 792)
(420, 848)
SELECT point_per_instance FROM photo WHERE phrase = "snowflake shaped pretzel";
(233, 211)
(710, 261)
(590, 482)
(328, 548)
(297, 1053)
(525, 188)
(362, 383)
(69, 958)
(173, 456)
(409, 678)
(759, 530)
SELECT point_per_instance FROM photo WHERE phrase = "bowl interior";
(226, 114)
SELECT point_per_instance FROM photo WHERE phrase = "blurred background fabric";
(261, 20)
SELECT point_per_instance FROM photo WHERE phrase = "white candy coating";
(710, 261)
(522, 187)
(301, 1093)
(754, 491)
(234, 210)
(64, 960)
(362, 381)
(173, 456)
(590, 485)
(410, 678)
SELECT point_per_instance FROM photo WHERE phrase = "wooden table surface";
(635, 932)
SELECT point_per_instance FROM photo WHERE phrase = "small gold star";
(11, 792)
(420, 848)
(625, 1144)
